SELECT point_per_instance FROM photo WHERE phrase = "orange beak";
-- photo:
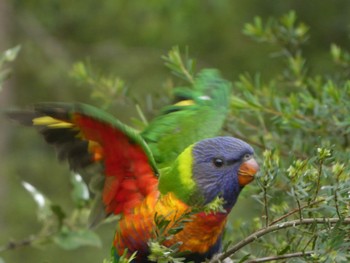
(246, 172)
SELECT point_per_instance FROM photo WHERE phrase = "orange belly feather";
(137, 228)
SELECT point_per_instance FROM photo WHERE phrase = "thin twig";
(293, 212)
(310, 241)
(186, 73)
(254, 142)
(251, 238)
(319, 175)
(285, 256)
(266, 209)
(336, 194)
(11, 245)
(141, 115)
(299, 208)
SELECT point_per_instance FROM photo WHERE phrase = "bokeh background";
(126, 39)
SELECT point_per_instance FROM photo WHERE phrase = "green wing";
(199, 113)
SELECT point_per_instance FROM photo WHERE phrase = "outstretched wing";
(85, 135)
(199, 113)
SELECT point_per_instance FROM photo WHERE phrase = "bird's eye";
(218, 162)
(247, 156)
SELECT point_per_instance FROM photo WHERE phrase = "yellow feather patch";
(185, 103)
(51, 122)
(185, 168)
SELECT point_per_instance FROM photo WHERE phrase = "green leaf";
(69, 240)
(238, 103)
(181, 66)
(289, 19)
(57, 210)
(336, 52)
(215, 206)
(80, 192)
(254, 29)
(7, 56)
(104, 89)
(10, 54)
(125, 258)
(44, 204)
(244, 258)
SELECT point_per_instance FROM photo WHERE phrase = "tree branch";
(11, 245)
(285, 256)
(273, 228)
(293, 212)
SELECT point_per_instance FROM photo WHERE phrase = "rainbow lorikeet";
(175, 167)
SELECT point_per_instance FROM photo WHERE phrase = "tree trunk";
(5, 97)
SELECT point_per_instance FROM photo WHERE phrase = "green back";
(199, 114)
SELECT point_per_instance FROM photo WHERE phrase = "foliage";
(302, 122)
(7, 56)
(181, 67)
(165, 230)
(104, 89)
(311, 107)
(298, 122)
(67, 231)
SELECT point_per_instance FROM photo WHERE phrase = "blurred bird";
(174, 175)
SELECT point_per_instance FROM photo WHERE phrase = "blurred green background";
(125, 39)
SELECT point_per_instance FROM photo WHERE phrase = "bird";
(177, 177)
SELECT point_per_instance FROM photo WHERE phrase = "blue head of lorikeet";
(212, 168)
(222, 167)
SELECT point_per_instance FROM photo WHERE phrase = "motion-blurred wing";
(198, 113)
(85, 135)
